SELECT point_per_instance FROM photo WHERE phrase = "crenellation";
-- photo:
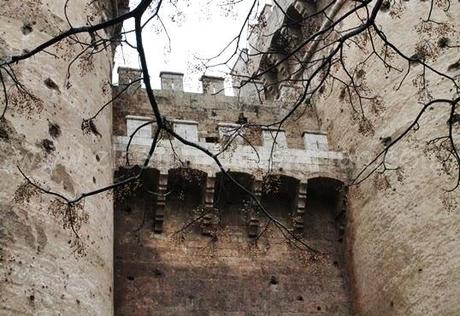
(213, 85)
(173, 81)
(129, 76)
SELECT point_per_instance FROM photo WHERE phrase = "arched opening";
(293, 18)
(324, 213)
(231, 200)
(279, 196)
(184, 197)
(134, 201)
(185, 188)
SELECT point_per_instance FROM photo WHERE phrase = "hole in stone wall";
(274, 280)
(49, 83)
(4, 133)
(26, 28)
(54, 130)
(212, 139)
(48, 145)
(231, 200)
(158, 273)
(443, 42)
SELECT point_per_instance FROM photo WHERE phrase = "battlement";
(127, 75)
(212, 85)
(271, 153)
(173, 81)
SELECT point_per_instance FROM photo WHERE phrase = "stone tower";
(403, 226)
(43, 268)
(184, 240)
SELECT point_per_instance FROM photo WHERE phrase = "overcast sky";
(196, 28)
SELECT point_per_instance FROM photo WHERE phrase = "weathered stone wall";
(186, 241)
(404, 226)
(209, 110)
(209, 120)
(44, 268)
(181, 271)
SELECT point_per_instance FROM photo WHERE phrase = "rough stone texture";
(213, 266)
(403, 236)
(183, 272)
(41, 267)
(209, 110)
(403, 227)
(210, 120)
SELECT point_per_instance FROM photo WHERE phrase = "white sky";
(199, 28)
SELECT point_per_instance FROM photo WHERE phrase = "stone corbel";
(253, 219)
(298, 219)
(160, 203)
(208, 218)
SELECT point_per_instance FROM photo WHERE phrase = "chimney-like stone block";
(253, 89)
(186, 129)
(271, 135)
(172, 81)
(127, 75)
(134, 122)
(231, 131)
(213, 85)
(315, 140)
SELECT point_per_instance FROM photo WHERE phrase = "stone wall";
(44, 268)
(403, 226)
(209, 110)
(203, 263)
(186, 239)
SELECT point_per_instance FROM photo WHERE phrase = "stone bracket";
(208, 219)
(158, 219)
(253, 219)
(298, 220)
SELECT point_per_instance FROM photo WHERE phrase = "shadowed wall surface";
(183, 272)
